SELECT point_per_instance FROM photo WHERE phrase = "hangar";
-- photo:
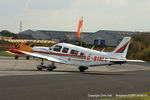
(101, 37)
(58, 36)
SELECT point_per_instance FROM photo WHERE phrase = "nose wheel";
(49, 67)
(39, 67)
(82, 68)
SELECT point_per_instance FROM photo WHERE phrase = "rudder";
(123, 46)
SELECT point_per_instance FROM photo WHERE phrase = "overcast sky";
(63, 15)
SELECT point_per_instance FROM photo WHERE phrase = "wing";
(59, 60)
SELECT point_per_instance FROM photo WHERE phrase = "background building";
(101, 37)
(58, 36)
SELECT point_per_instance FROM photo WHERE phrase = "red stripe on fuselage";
(61, 54)
(119, 50)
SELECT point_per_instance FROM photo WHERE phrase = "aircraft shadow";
(71, 72)
(109, 74)
(19, 70)
(91, 72)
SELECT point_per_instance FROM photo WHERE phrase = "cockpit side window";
(65, 50)
(57, 48)
(74, 52)
(82, 54)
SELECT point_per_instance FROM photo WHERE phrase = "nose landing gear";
(49, 67)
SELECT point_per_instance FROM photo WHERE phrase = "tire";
(27, 57)
(39, 68)
(82, 69)
(16, 56)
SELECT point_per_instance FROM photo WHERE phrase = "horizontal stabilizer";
(135, 61)
(114, 60)
(123, 60)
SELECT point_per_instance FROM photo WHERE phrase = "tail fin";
(24, 47)
(122, 48)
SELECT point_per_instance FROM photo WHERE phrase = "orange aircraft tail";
(24, 47)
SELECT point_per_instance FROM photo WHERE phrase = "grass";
(143, 96)
(3, 42)
(4, 53)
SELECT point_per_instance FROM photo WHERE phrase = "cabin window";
(74, 52)
(82, 54)
(57, 48)
(65, 50)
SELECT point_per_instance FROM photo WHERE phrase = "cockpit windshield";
(57, 48)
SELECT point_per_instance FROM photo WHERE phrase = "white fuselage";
(77, 55)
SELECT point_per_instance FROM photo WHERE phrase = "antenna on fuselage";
(103, 50)
(93, 47)
(20, 27)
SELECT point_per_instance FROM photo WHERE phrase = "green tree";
(7, 33)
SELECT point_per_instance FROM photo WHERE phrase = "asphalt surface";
(18, 82)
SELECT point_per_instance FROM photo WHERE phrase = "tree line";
(7, 33)
(140, 47)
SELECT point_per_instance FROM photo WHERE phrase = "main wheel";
(82, 68)
(27, 57)
(39, 67)
(16, 56)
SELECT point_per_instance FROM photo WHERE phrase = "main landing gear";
(49, 67)
(82, 68)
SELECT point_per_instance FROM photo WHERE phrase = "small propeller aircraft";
(75, 55)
